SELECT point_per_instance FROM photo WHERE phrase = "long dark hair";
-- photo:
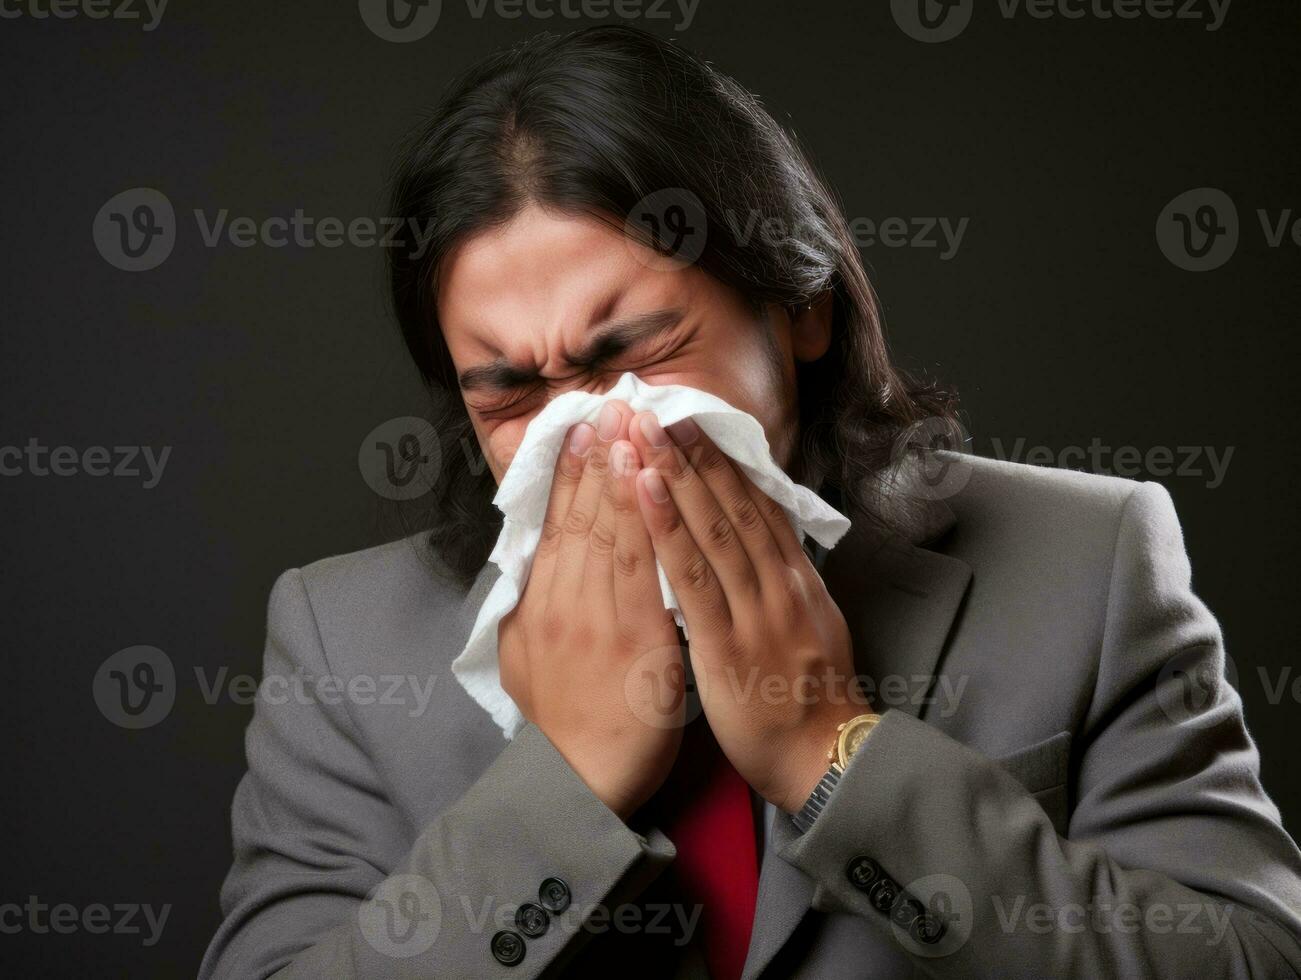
(592, 123)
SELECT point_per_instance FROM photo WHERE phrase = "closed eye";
(510, 402)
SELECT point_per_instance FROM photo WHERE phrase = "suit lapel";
(468, 612)
(899, 601)
(785, 895)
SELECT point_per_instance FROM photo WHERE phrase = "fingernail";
(654, 433)
(655, 486)
(685, 432)
(607, 426)
(580, 441)
(622, 460)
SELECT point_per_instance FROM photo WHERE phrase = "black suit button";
(883, 894)
(905, 911)
(927, 928)
(508, 948)
(554, 895)
(862, 873)
(532, 920)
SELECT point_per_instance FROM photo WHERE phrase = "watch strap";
(817, 800)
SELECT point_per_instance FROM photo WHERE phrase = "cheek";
(771, 406)
(748, 380)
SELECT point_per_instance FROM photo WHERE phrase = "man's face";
(551, 303)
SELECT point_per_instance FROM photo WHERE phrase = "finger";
(636, 583)
(576, 527)
(701, 510)
(568, 472)
(598, 574)
(779, 525)
(698, 588)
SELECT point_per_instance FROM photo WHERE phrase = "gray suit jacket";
(1062, 778)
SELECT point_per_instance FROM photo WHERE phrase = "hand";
(589, 651)
(770, 649)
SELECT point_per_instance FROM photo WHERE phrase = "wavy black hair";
(592, 123)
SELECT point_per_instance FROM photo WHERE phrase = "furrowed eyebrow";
(496, 374)
(606, 340)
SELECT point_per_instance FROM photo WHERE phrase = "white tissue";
(526, 487)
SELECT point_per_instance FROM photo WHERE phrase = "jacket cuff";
(855, 852)
(530, 832)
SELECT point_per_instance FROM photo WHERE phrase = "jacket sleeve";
(310, 893)
(1174, 862)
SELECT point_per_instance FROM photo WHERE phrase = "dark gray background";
(1060, 320)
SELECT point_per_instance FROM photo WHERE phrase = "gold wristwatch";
(850, 737)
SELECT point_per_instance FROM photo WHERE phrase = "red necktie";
(705, 807)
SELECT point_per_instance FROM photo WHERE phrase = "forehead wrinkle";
(513, 282)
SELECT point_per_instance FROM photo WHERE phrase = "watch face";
(855, 733)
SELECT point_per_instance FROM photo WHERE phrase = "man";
(987, 735)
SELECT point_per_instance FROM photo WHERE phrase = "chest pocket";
(1042, 769)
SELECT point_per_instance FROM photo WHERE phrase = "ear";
(811, 328)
